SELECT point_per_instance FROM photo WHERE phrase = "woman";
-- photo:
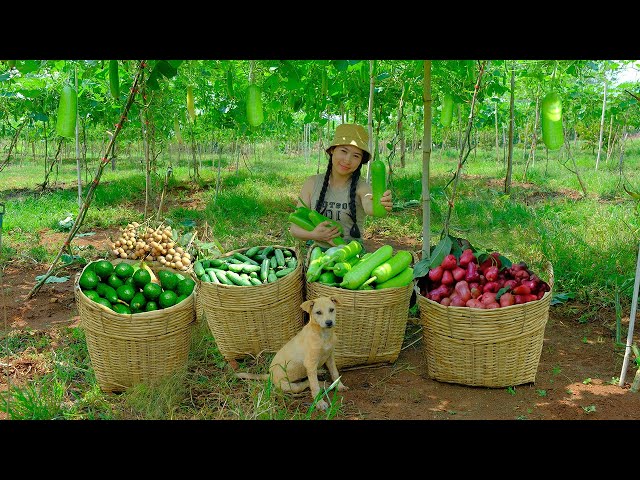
(340, 193)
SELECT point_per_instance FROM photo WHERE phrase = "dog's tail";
(253, 376)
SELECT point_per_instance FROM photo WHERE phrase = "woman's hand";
(325, 232)
(386, 201)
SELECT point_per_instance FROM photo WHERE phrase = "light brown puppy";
(308, 350)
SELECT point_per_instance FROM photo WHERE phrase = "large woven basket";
(370, 324)
(246, 321)
(127, 349)
(491, 348)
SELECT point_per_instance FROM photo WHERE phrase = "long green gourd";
(551, 121)
(361, 271)
(446, 114)
(67, 109)
(114, 79)
(378, 186)
(255, 115)
(392, 267)
(401, 280)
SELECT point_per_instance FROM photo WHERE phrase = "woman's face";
(346, 159)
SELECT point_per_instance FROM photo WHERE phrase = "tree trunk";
(507, 180)
(497, 135)
(623, 140)
(426, 156)
(609, 140)
(604, 106)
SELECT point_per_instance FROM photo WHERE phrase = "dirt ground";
(577, 377)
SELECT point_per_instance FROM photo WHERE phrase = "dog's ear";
(307, 306)
(336, 300)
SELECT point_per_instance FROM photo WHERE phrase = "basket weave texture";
(127, 349)
(491, 348)
(246, 321)
(370, 324)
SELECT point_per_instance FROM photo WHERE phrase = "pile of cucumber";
(256, 266)
(347, 266)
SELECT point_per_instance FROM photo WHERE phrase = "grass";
(591, 241)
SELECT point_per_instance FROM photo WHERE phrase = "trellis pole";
(632, 317)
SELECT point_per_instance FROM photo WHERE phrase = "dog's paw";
(342, 387)
(322, 405)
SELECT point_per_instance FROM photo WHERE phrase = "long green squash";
(402, 279)
(67, 110)
(446, 114)
(392, 267)
(361, 271)
(191, 108)
(551, 121)
(255, 115)
(114, 79)
(378, 186)
(176, 129)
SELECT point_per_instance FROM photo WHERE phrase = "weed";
(541, 393)
(586, 381)
(511, 390)
(589, 408)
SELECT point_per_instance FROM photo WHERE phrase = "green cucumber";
(238, 280)
(222, 276)
(251, 252)
(284, 272)
(198, 269)
(264, 269)
(244, 259)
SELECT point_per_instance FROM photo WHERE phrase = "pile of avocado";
(126, 288)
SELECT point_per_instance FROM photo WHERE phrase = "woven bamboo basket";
(491, 348)
(370, 324)
(127, 349)
(246, 321)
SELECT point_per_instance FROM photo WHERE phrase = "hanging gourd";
(378, 186)
(67, 109)
(191, 104)
(114, 80)
(446, 114)
(255, 116)
(176, 129)
(552, 134)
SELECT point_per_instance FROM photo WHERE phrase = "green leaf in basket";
(421, 268)
(441, 250)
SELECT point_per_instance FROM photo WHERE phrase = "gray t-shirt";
(337, 205)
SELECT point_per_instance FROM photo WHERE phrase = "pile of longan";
(136, 241)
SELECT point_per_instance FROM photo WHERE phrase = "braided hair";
(355, 176)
